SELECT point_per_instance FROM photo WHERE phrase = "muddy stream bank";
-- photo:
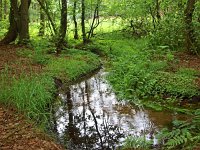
(89, 116)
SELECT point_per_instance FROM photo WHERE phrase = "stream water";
(90, 117)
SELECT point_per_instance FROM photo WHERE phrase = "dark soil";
(19, 134)
(17, 64)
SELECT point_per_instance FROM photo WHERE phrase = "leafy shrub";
(170, 32)
(137, 74)
(183, 135)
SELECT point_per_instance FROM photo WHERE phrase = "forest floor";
(17, 133)
(189, 61)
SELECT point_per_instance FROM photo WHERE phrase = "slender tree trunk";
(5, 9)
(48, 16)
(75, 21)
(83, 21)
(63, 27)
(153, 17)
(189, 31)
(42, 21)
(1, 10)
(24, 22)
(95, 18)
(158, 10)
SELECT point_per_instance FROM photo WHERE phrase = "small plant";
(137, 143)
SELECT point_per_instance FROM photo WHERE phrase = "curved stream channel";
(90, 117)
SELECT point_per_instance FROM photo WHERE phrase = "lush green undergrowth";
(71, 65)
(149, 76)
(33, 93)
(29, 94)
(183, 134)
(140, 73)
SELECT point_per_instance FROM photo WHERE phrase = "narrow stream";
(89, 117)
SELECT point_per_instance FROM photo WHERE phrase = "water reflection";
(90, 117)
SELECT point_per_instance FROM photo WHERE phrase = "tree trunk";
(48, 16)
(83, 21)
(18, 19)
(42, 21)
(75, 22)
(95, 18)
(5, 8)
(63, 27)
(153, 17)
(14, 23)
(1, 10)
(158, 10)
(24, 22)
(189, 31)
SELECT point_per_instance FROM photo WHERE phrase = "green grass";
(140, 73)
(144, 76)
(137, 143)
(29, 94)
(32, 94)
(73, 64)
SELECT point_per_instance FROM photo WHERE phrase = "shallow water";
(90, 117)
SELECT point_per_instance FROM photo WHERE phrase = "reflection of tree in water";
(79, 132)
(90, 117)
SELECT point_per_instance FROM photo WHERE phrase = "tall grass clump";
(137, 143)
(29, 94)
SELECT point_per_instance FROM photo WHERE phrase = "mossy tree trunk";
(42, 21)
(1, 8)
(24, 22)
(75, 21)
(14, 23)
(5, 8)
(189, 31)
(18, 19)
(158, 16)
(83, 21)
(95, 21)
(48, 14)
(63, 27)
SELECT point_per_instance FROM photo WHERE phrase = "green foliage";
(29, 94)
(183, 135)
(188, 72)
(169, 32)
(137, 143)
(73, 64)
(3, 26)
(137, 73)
(196, 26)
(101, 48)
(32, 94)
